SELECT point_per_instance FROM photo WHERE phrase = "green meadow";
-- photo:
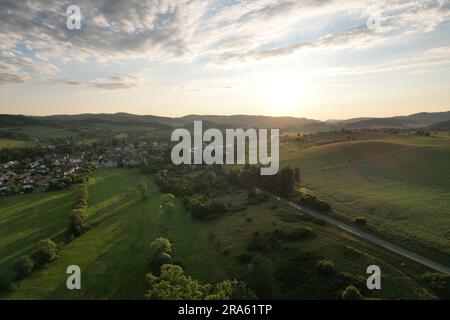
(10, 143)
(400, 184)
(45, 132)
(114, 253)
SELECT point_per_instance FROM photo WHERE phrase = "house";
(130, 162)
(5, 190)
(27, 188)
(107, 163)
(76, 158)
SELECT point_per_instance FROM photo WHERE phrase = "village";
(55, 170)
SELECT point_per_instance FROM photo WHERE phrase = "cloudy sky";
(320, 59)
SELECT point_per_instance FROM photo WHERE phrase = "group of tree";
(78, 216)
(45, 252)
(152, 164)
(201, 208)
(304, 196)
(168, 280)
(195, 191)
(78, 177)
(283, 183)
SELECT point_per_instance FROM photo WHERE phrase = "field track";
(368, 236)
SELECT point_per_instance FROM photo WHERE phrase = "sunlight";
(284, 94)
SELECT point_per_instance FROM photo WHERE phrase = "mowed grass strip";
(114, 254)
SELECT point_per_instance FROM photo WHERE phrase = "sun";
(284, 95)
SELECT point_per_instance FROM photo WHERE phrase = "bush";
(258, 244)
(360, 221)
(311, 200)
(261, 278)
(201, 209)
(301, 233)
(23, 267)
(440, 283)
(244, 258)
(325, 267)
(167, 197)
(256, 197)
(76, 222)
(351, 293)
(45, 252)
(242, 292)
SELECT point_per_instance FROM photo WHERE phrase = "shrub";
(258, 244)
(311, 200)
(23, 266)
(244, 258)
(161, 245)
(255, 197)
(261, 278)
(167, 197)
(360, 221)
(45, 252)
(440, 283)
(301, 233)
(351, 293)
(242, 292)
(142, 188)
(201, 209)
(325, 267)
(278, 234)
(76, 222)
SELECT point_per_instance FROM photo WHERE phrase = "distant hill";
(244, 121)
(417, 120)
(247, 121)
(7, 120)
(440, 126)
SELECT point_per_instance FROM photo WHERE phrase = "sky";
(318, 59)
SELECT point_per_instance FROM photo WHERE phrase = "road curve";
(367, 236)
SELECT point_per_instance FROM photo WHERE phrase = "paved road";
(367, 236)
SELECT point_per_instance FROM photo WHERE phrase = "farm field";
(401, 185)
(10, 143)
(44, 132)
(113, 255)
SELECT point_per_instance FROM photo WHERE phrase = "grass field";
(114, 254)
(9, 143)
(401, 185)
(44, 132)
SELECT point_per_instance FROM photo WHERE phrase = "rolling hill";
(417, 120)
(440, 126)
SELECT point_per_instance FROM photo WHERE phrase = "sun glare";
(284, 95)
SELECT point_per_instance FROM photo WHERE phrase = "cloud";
(34, 38)
(110, 83)
(417, 63)
(356, 37)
